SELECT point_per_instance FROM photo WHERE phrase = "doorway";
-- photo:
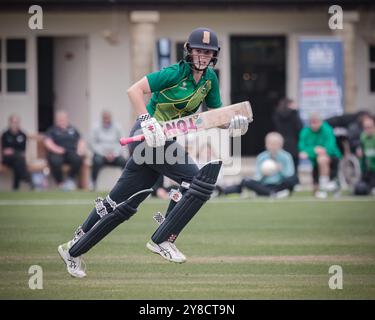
(258, 65)
(63, 80)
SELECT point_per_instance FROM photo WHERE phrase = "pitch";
(236, 249)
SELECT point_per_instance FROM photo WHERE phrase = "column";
(347, 34)
(142, 42)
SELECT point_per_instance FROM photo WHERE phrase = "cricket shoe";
(330, 186)
(321, 194)
(75, 266)
(167, 250)
(281, 194)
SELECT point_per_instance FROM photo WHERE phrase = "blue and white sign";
(321, 83)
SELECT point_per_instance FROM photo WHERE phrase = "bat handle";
(125, 141)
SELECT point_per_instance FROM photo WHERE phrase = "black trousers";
(17, 163)
(56, 162)
(369, 178)
(139, 175)
(261, 188)
(98, 162)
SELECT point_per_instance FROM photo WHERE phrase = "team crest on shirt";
(204, 90)
(71, 131)
(183, 85)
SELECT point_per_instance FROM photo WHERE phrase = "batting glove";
(238, 126)
(152, 131)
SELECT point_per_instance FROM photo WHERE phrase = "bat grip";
(125, 141)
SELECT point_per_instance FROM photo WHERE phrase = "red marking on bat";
(170, 126)
(180, 126)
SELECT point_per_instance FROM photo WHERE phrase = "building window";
(16, 50)
(372, 68)
(13, 65)
(16, 80)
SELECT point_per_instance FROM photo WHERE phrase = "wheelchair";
(349, 167)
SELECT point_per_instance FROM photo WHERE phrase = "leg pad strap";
(199, 192)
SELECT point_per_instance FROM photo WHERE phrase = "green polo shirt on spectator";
(368, 147)
(176, 94)
(324, 137)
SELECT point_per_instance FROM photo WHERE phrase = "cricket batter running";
(177, 91)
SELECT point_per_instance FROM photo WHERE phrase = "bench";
(37, 162)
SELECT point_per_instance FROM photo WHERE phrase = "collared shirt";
(324, 137)
(176, 94)
(16, 141)
(67, 138)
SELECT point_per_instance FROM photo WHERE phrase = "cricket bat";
(199, 121)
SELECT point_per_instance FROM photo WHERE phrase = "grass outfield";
(236, 249)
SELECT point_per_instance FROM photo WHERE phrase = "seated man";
(106, 147)
(13, 147)
(64, 145)
(317, 142)
(366, 152)
(276, 182)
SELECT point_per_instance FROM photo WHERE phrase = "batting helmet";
(202, 38)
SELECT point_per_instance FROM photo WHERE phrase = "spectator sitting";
(276, 183)
(13, 147)
(367, 154)
(106, 147)
(348, 126)
(317, 142)
(64, 145)
(355, 130)
(288, 123)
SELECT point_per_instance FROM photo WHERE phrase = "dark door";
(45, 82)
(258, 75)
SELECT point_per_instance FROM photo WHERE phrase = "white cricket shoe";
(167, 250)
(321, 194)
(178, 251)
(69, 185)
(282, 194)
(330, 186)
(74, 266)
